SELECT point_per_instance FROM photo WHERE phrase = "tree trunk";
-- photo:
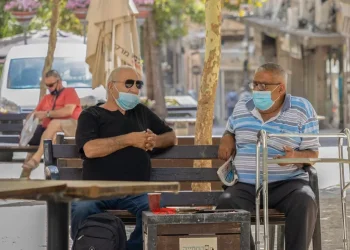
(210, 76)
(155, 67)
(52, 44)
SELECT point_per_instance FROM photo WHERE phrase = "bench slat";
(189, 198)
(9, 139)
(18, 149)
(13, 117)
(184, 174)
(158, 174)
(17, 127)
(204, 152)
(65, 151)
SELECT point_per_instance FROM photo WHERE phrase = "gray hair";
(53, 73)
(274, 68)
(115, 72)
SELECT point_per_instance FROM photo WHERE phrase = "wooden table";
(58, 195)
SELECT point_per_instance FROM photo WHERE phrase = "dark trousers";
(35, 141)
(294, 198)
(134, 204)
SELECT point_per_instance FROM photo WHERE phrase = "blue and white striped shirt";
(296, 116)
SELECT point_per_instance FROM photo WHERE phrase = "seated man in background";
(273, 110)
(58, 111)
(113, 139)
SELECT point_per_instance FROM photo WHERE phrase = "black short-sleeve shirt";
(127, 164)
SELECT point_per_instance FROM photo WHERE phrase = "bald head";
(117, 81)
(121, 72)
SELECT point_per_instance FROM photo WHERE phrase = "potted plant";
(79, 7)
(22, 10)
(143, 7)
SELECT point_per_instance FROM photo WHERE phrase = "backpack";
(102, 231)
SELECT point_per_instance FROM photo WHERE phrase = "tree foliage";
(172, 17)
(68, 21)
(235, 5)
(8, 26)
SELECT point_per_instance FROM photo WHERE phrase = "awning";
(303, 37)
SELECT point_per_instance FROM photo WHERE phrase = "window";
(25, 73)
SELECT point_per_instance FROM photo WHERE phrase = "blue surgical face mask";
(127, 101)
(262, 99)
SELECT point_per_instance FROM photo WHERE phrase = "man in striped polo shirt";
(273, 110)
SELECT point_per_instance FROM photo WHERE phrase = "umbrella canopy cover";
(112, 38)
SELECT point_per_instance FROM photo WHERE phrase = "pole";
(341, 84)
(246, 55)
(25, 35)
(84, 30)
(346, 78)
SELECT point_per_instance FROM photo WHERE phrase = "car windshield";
(25, 73)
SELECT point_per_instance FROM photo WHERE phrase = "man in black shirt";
(114, 140)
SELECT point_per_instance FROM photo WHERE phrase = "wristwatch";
(48, 114)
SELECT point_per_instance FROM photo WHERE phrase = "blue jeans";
(134, 204)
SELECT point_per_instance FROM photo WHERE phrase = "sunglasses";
(129, 83)
(50, 85)
(261, 85)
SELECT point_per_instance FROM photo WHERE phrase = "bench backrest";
(164, 173)
(11, 124)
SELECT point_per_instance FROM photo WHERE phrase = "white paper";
(227, 173)
(210, 243)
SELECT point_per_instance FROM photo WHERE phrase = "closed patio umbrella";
(112, 38)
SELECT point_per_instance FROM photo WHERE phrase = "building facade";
(304, 38)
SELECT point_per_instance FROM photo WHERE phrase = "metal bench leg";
(272, 229)
(57, 225)
(280, 237)
(316, 237)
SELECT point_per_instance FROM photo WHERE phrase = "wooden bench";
(11, 127)
(52, 153)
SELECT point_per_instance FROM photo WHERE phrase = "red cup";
(154, 201)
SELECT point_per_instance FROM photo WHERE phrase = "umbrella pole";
(113, 45)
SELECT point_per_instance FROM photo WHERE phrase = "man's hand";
(145, 140)
(138, 139)
(40, 114)
(289, 153)
(151, 140)
(227, 147)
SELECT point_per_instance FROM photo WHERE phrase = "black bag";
(102, 231)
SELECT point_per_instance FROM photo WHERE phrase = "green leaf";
(171, 17)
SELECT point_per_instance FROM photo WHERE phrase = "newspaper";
(227, 173)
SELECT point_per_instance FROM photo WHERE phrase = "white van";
(23, 67)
